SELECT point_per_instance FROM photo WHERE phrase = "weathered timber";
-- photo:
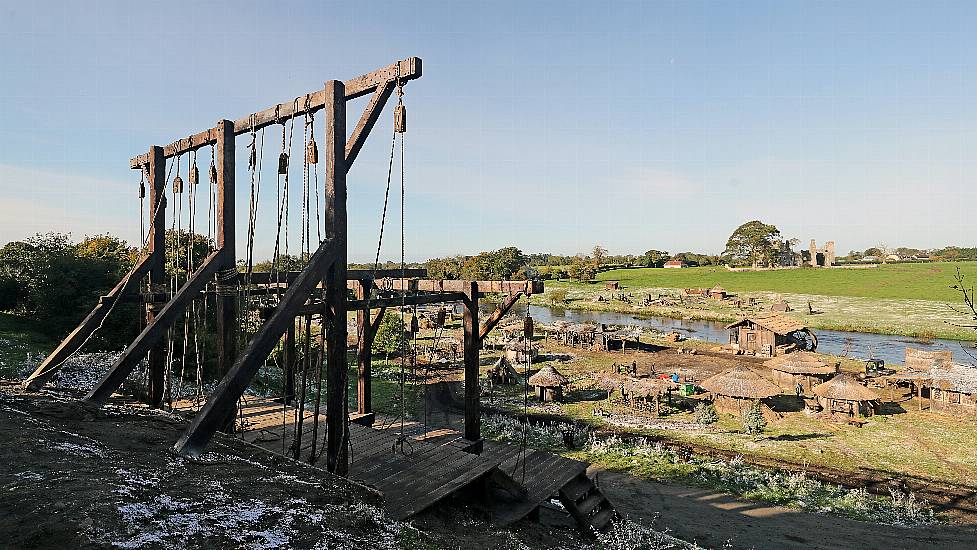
(406, 70)
(155, 331)
(157, 271)
(454, 285)
(471, 345)
(227, 314)
(53, 363)
(364, 352)
(393, 301)
(337, 414)
(222, 401)
(288, 364)
(367, 120)
(498, 314)
(352, 275)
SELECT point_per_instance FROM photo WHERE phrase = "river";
(860, 345)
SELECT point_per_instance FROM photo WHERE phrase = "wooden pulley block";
(283, 163)
(194, 174)
(312, 152)
(400, 119)
(142, 189)
(177, 185)
(442, 317)
(213, 172)
(527, 328)
(415, 325)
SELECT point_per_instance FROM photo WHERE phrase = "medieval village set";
(413, 462)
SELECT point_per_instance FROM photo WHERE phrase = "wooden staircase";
(587, 504)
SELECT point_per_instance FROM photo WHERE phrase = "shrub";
(753, 421)
(705, 414)
(558, 296)
(391, 337)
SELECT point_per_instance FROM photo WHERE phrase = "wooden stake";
(227, 314)
(157, 269)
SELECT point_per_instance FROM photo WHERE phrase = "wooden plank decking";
(413, 472)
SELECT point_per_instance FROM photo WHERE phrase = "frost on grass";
(793, 489)
(628, 535)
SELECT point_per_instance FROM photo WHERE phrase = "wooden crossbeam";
(367, 120)
(484, 287)
(155, 331)
(498, 314)
(352, 275)
(53, 363)
(222, 401)
(407, 70)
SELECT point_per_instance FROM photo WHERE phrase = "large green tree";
(754, 242)
(655, 258)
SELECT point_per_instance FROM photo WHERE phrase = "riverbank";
(898, 317)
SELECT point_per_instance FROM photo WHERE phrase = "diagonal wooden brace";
(222, 401)
(155, 331)
(498, 314)
(53, 363)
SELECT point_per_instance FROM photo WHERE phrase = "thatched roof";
(610, 382)
(775, 322)
(801, 362)
(956, 377)
(717, 289)
(844, 387)
(503, 366)
(740, 381)
(548, 377)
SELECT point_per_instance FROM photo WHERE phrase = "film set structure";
(412, 465)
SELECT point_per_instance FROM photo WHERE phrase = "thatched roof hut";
(803, 367)
(735, 389)
(769, 334)
(845, 395)
(548, 383)
(650, 387)
(717, 292)
(503, 372)
(548, 377)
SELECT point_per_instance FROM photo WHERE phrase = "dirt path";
(711, 518)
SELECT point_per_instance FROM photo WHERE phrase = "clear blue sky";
(552, 126)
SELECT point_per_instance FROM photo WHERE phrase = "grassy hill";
(930, 281)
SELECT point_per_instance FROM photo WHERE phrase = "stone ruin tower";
(822, 257)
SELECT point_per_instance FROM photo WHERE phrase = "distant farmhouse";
(675, 264)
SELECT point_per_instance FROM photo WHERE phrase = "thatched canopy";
(844, 387)
(504, 367)
(740, 381)
(956, 377)
(801, 362)
(548, 377)
(610, 382)
(779, 324)
(718, 289)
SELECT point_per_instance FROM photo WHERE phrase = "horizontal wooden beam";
(484, 287)
(406, 70)
(315, 307)
(264, 277)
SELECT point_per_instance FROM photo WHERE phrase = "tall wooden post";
(337, 415)
(364, 354)
(288, 364)
(473, 421)
(227, 315)
(157, 269)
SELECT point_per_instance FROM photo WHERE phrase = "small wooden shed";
(548, 383)
(770, 334)
(735, 390)
(718, 292)
(803, 367)
(844, 395)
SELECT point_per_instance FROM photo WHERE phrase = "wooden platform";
(421, 468)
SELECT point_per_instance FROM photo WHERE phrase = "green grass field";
(19, 337)
(929, 281)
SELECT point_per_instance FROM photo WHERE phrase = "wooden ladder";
(587, 504)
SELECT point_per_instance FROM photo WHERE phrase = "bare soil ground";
(72, 476)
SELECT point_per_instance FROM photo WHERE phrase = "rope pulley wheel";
(442, 317)
(312, 152)
(177, 185)
(527, 328)
(415, 325)
(283, 163)
(194, 173)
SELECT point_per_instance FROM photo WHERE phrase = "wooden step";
(591, 503)
(577, 488)
(601, 519)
